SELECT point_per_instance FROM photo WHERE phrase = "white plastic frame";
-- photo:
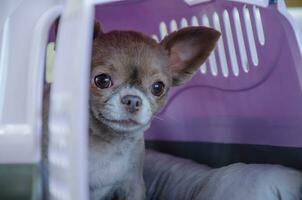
(69, 103)
(20, 103)
(21, 78)
(262, 3)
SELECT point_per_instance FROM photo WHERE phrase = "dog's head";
(132, 73)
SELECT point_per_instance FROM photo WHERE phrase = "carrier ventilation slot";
(163, 30)
(184, 23)
(212, 59)
(221, 46)
(194, 21)
(259, 25)
(250, 35)
(242, 31)
(240, 41)
(173, 26)
(155, 38)
(59, 165)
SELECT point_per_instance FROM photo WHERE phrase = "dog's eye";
(158, 88)
(103, 81)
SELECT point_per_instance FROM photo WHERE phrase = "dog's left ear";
(97, 30)
(188, 49)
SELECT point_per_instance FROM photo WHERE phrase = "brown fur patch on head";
(133, 59)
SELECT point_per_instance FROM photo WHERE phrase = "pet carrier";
(244, 105)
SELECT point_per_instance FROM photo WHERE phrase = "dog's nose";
(132, 103)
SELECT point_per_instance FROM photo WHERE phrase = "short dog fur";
(131, 75)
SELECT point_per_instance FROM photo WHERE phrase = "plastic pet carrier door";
(245, 102)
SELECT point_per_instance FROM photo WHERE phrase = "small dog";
(131, 75)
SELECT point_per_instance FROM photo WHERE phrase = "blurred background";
(295, 9)
(294, 3)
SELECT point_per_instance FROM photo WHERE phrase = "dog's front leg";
(137, 193)
(133, 190)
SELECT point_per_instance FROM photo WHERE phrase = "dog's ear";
(97, 30)
(188, 48)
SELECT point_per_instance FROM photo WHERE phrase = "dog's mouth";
(124, 122)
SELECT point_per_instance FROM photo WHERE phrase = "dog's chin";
(124, 126)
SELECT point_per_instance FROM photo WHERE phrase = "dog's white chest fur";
(107, 163)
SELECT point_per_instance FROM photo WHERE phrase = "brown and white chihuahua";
(131, 75)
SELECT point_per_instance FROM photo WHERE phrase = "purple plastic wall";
(263, 106)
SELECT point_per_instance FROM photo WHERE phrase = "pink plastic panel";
(249, 90)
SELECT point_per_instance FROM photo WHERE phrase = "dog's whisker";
(166, 116)
(158, 118)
